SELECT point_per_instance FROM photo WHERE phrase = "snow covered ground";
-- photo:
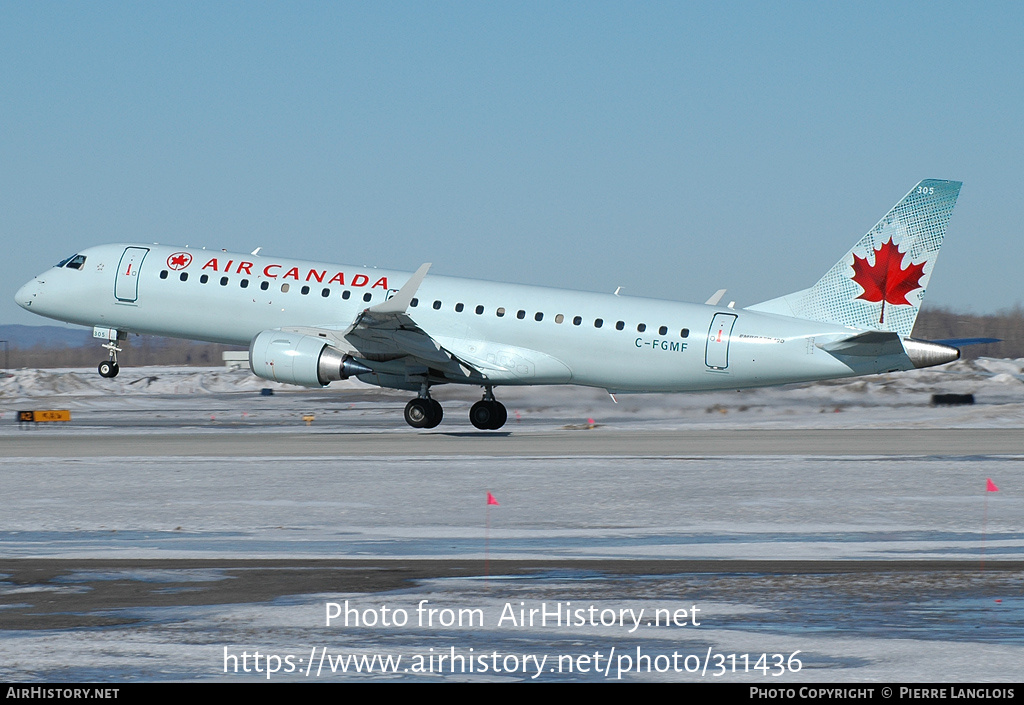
(957, 626)
(880, 400)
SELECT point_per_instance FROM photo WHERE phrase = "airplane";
(312, 323)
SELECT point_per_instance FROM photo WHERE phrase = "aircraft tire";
(423, 413)
(481, 415)
(500, 416)
(437, 413)
(108, 369)
(417, 413)
(488, 415)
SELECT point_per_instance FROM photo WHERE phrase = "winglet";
(399, 303)
(715, 298)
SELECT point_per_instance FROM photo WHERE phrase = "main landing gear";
(488, 414)
(423, 412)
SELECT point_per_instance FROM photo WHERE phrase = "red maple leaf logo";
(179, 260)
(886, 280)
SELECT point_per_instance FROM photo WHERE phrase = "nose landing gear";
(110, 368)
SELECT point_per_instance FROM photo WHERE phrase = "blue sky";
(669, 148)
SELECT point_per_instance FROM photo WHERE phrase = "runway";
(582, 442)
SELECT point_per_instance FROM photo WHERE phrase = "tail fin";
(880, 283)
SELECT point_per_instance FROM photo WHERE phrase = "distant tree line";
(136, 351)
(1007, 326)
(932, 324)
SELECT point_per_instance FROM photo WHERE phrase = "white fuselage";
(511, 334)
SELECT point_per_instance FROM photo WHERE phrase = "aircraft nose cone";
(27, 294)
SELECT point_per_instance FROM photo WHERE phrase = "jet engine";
(294, 358)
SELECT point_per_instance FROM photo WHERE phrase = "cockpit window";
(72, 262)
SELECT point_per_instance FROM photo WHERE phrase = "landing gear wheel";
(418, 413)
(500, 416)
(488, 415)
(438, 413)
(480, 415)
(423, 413)
(108, 369)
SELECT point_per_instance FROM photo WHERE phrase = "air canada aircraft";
(311, 323)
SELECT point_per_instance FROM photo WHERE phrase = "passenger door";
(126, 285)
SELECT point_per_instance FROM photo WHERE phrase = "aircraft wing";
(386, 332)
(393, 335)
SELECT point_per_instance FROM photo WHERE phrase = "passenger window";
(684, 333)
(367, 296)
(458, 308)
(479, 310)
(641, 327)
(520, 314)
(663, 330)
(183, 276)
(414, 303)
(284, 288)
(500, 312)
(163, 274)
(620, 325)
(325, 293)
(559, 318)
(538, 316)
(437, 305)
(304, 290)
(244, 283)
(345, 294)
(264, 285)
(204, 278)
(598, 322)
(577, 320)
(223, 281)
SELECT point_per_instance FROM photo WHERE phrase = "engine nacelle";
(294, 358)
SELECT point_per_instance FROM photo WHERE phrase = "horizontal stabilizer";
(922, 353)
(961, 342)
(870, 344)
